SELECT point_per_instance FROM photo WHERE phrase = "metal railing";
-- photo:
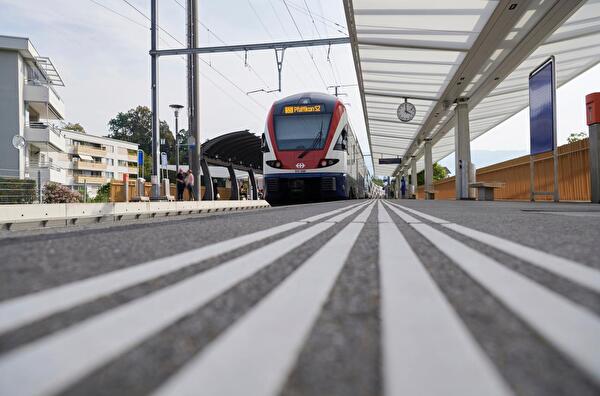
(14, 190)
(44, 125)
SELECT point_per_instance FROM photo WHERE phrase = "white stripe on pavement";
(572, 329)
(571, 270)
(52, 363)
(578, 273)
(427, 348)
(431, 218)
(20, 311)
(256, 354)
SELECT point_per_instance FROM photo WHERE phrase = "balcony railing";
(132, 157)
(90, 179)
(82, 149)
(132, 169)
(89, 165)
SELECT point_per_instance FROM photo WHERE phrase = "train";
(311, 153)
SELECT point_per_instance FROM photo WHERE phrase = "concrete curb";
(28, 216)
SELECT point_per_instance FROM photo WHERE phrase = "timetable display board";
(542, 108)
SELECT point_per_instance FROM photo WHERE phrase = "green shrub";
(103, 194)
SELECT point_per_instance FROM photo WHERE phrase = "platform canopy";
(239, 148)
(434, 52)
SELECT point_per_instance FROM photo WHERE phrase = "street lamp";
(176, 108)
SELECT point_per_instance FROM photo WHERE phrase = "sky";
(100, 48)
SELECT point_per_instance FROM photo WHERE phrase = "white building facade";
(30, 107)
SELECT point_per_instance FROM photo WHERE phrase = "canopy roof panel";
(434, 52)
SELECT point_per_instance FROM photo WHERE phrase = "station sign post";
(542, 121)
(592, 110)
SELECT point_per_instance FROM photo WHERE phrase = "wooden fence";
(573, 176)
(117, 191)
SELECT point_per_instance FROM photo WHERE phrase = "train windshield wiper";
(316, 142)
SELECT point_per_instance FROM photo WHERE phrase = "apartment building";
(32, 109)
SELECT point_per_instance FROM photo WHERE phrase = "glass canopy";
(419, 50)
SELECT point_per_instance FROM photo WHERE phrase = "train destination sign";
(317, 108)
(389, 161)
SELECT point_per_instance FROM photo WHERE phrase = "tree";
(439, 173)
(74, 127)
(377, 181)
(136, 126)
(575, 137)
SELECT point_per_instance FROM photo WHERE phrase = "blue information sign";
(140, 157)
(542, 105)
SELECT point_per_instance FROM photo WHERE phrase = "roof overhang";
(435, 53)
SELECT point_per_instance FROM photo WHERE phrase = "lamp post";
(176, 108)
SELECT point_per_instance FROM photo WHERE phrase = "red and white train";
(310, 152)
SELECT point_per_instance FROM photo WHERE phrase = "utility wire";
(119, 14)
(298, 75)
(211, 32)
(302, 37)
(253, 113)
(204, 61)
(325, 21)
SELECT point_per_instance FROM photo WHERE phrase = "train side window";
(342, 142)
(264, 147)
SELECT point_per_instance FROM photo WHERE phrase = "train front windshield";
(302, 131)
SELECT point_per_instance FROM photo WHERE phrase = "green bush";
(57, 193)
(17, 191)
(103, 194)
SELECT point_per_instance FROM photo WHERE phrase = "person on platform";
(189, 184)
(180, 183)
(403, 187)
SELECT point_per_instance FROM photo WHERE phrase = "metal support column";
(193, 87)
(413, 174)
(208, 185)
(594, 142)
(253, 184)
(462, 146)
(235, 190)
(428, 169)
(154, 89)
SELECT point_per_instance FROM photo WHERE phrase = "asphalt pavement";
(397, 297)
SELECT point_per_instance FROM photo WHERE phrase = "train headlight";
(274, 164)
(327, 162)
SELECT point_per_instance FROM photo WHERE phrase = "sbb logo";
(300, 165)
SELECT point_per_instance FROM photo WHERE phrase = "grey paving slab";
(528, 363)
(48, 258)
(343, 351)
(532, 224)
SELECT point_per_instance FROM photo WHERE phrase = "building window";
(110, 149)
(110, 175)
(110, 161)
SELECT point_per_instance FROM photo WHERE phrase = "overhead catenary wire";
(323, 20)
(266, 29)
(203, 60)
(302, 37)
(226, 92)
(211, 32)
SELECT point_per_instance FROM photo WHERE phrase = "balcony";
(80, 179)
(132, 169)
(88, 165)
(132, 158)
(39, 95)
(89, 150)
(39, 132)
